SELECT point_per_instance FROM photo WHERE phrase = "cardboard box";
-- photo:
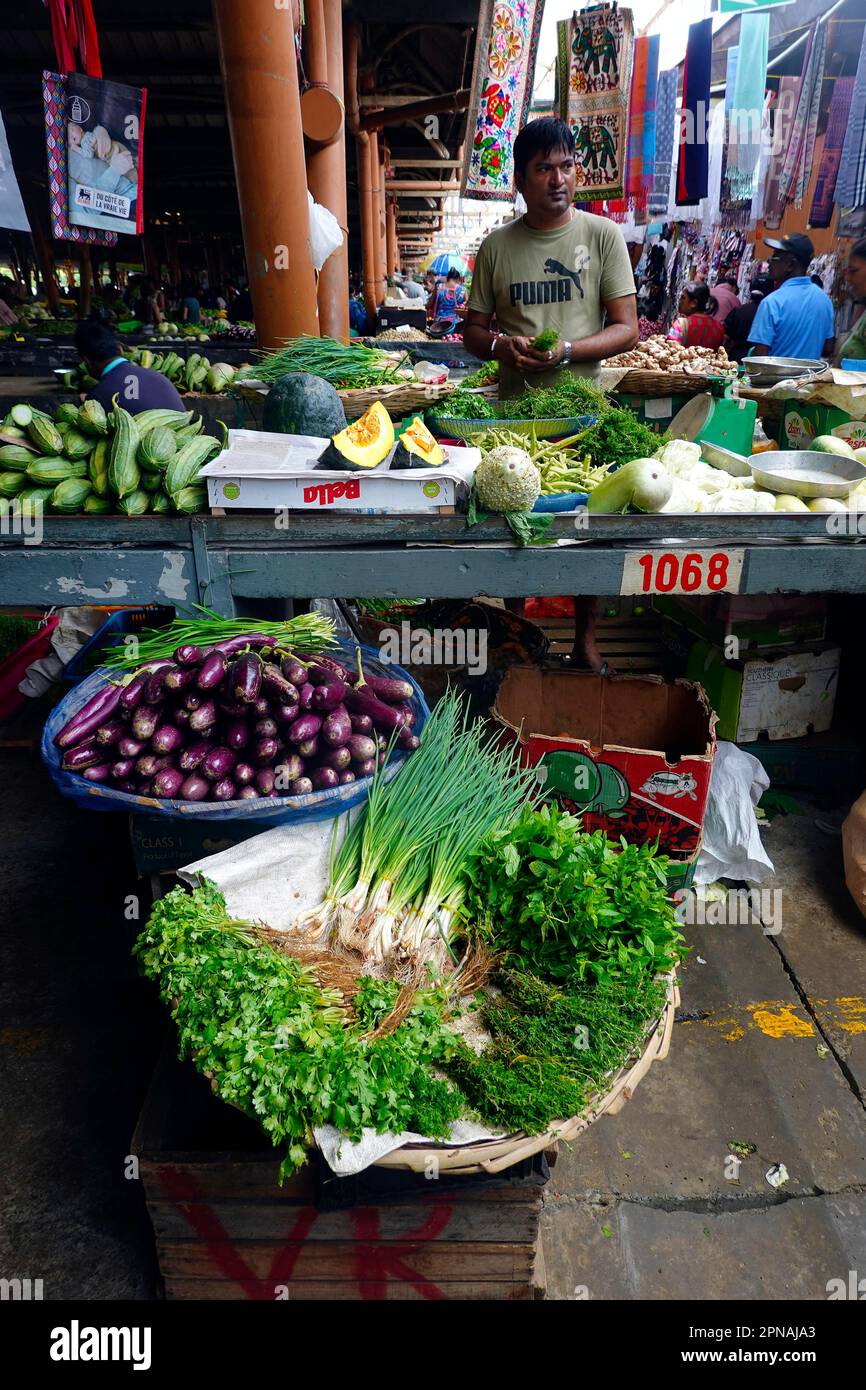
(801, 423)
(778, 695)
(758, 621)
(276, 472)
(632, 755)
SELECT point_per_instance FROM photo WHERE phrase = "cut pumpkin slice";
(417, 448)
(361, 445)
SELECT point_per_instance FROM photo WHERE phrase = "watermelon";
(300, 403)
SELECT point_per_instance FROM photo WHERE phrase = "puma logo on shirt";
(547, 291)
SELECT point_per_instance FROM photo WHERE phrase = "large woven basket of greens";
(469, 978)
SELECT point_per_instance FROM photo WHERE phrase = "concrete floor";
(769, 1051)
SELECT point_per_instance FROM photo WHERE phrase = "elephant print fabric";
(595, 58)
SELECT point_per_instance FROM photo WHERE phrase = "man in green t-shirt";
(555, 267)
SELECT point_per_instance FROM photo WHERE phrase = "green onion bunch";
(308, 632)
(344, 365)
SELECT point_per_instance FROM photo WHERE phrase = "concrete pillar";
(326, 164)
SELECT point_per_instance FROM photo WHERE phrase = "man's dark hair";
(540, 137)
(95, 340)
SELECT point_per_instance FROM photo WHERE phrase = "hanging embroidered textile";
(693, 167)
(506, 48)
(663, 169)
(821, 211)
(595, 58)
(851, 183)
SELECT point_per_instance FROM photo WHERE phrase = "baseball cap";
(796, 245)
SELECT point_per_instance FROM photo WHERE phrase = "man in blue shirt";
(796, 320)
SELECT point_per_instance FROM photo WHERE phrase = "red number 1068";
(662, 574)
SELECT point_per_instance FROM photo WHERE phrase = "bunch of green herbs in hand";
(572, 906)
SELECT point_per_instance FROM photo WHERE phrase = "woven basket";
(398, 400)
(495, 1155)
(450, 427)
(640, 382)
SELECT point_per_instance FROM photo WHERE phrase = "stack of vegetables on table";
(466, 939)
(88, 461)
(661, 354)
(572, 397)
(194, 373)
(211, 711)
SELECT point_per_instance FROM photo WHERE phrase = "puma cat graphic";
(548, 291)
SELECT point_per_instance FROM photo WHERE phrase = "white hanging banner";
(12, 212)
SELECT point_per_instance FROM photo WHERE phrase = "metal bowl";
(724, 459)
(771, 369)
(795, 471)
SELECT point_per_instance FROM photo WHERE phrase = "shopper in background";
(190, 305)
(796, 320)
(411, 288)
(447, 303)
(147, 306)
(138, 388)
(727, 295)
(854, 345)
(696, 324)
(739, 322)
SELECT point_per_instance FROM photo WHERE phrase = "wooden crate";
(225, 1229)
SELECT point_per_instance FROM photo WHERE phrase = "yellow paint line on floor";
(851, 1014)
(777, 1019)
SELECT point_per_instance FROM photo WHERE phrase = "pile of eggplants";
(240, 720)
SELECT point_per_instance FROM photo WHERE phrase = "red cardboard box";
(632, 755)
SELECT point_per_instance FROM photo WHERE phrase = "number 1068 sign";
(682, 572)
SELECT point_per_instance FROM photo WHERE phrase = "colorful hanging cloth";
(693, 167)
(642, 116)
(747, 111)
(506, 48)
(797, 167)
(851, 183)
(821, 211)
(595, 57)
(784, 109)
(76, 42)
(663, 168)
(650, 117)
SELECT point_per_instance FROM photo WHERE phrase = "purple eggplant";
(167, 739)
(87, 754)
(110, 733)
(266, 728)
(126, 784)
(381, 743)
(234, 709)
(294, 672)
(224, 790)
(181, 717)
(362, 748)
(264, 781)
(286, 714)
(408, 742)
(276, 687)
(145, 721)
(211, 672)
(123, 768)
(188, 655)
(195, 753)
(337, 758)
(133, 693)
(384, 717)
(195, 788)
(247, 793)
(218, 763)
(237, 734)
(144, 786)
(233, 645)
(243, 773)
(361, 723)
(261, 707)
(179, 677)
(306, 727)
(322, 669)
(168, 783)
(386, 688)
(336, 727)
(265, 750)
(288, 770)
(154, 691)
(302, 786)
(245, 678)
(305, 695)
(323, 778)
(193, 700)
(309, 748)
(203, 718)
(327, 697)
(95, 712)
(101, 772)
(347, 777)
(146, 765)
(130, 747)
(366, 768)
(407, 710)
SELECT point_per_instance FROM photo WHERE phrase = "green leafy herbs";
(571, 906)
(463, 405)
(618, 437)
(545, 341)
(552, 1051)
(282, 1048)
(571, 397)
(486, 375)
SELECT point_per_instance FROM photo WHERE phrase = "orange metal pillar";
(378, 179)
(365, 177)
(260, 74)
(326, 164)
(393, 253)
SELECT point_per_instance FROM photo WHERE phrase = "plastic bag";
(732, 846)
(326, 234)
